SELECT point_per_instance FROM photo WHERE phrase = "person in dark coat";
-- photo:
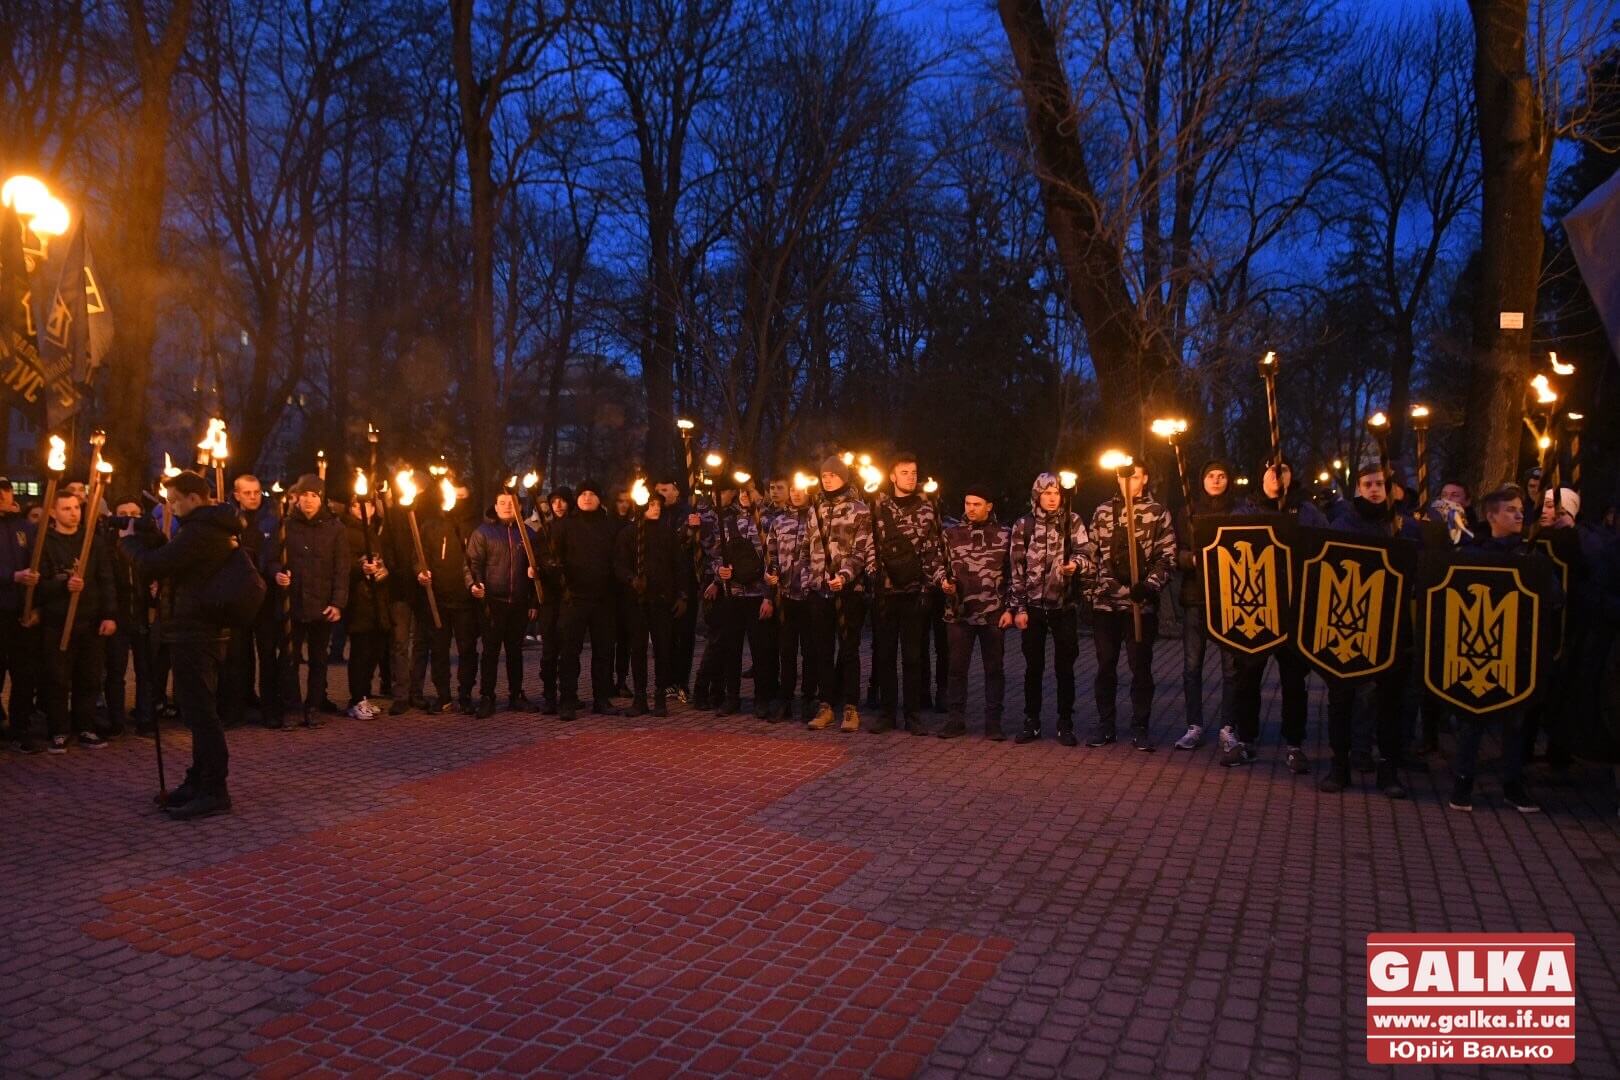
(560, 502)
(584, 549)
(497, 573)
(370, 623)
(73, 675)
(19, 644)
(202, 543)
(317, 579)
(250, 656)
(651, 570)
(444, 548)
(131, 639)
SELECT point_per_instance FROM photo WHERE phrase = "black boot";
(992, 729)
(1389, 780)
(486, 708)
(660, 704)
(884, 723)
(1066, 731)
(1030, 733)
(638, 706)
(1337, 778)
(914, 725)
(954, 728)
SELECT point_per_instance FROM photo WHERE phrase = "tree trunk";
(658, 359)
(1514, 142)
(140, 213)
(1131, 362)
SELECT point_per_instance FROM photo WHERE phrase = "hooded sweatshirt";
(1037, 554)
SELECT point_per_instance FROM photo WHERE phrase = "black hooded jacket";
(583, 543)
(203, 541)
(649, 551)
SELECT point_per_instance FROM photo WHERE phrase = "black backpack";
(234, 592)
(896, 551)
(740, 554)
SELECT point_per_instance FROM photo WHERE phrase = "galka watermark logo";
(1470, 999)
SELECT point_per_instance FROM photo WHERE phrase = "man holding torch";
(1135, 550)
(76, 584)
(905, 527)
(19, 644)
(498, 574)
(1048, 556)
(651, 569)
(841, 560)
(583, 544)
(316, 576)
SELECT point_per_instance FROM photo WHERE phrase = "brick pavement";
(519, 896)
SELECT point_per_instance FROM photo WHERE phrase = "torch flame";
(1420, 412)
(169, 468)
(847, 458)
(713, 460)
(930, 486)
(1545, 394)
(222, 444)
(56, 460)
(742, 476)
(361, 488)
(871, 477)
(511, 481)
(1269, 359)
(447, 493)
(530, 479)
(1068, 478)
(1558, 368)
(1167, 428)
(638, 492)
(804, 481)
(104, 467)
(1114, 460)
(684, 424)
(211, 439)
(276, 488)
(1377, 420)
(1544, 442)
(405, 484)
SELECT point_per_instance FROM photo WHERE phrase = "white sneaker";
(1228, 738)
(362, 710)
(1190, 741)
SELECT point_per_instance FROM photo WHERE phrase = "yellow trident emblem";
(1250, 603)
(1483, 637)
(1351, 611)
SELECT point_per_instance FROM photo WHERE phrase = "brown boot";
(823, 718)
(852, 720)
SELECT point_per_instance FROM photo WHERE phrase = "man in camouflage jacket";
(976, 609)
(742, 607)
(787, 558)
(1115, 598)
(906, 521)
(1043, 600)
(841, 560)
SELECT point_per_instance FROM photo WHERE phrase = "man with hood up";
(1050, 557)
(1214, 496)
(842, 559)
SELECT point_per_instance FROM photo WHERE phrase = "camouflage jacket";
(1037, 561)
(979, 563)
(787, 546)
(1109, 581)
(738, 526)
(912, 517)
(843, 522)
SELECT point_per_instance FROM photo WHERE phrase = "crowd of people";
(795, 569)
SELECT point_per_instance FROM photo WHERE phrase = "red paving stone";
(442, 896)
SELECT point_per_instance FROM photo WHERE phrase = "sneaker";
(1066, 738)
(1142, 742)
(440, 706)
(823, 718)
(399, 708)
(1030, 732)
(1518, 798)
(1102, 738)
(1191, 739)
(660, 705)
(1226, 740)
(1236, 754)
(1462, 794)
(915, 726)
(311, 722)
(1389, 781)
(1298, 763)
(31, 746)
(200, 807)
(362, 710)
(91, 741)
(548, 706)
(486, 708)
(57, 745)
(993, 732)
(677, 693)
(954, 728)
(852, 720)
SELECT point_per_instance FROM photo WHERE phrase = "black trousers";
(683, 642)
(836, 636)
(1248, 674)
(401, 659)
(738, 621)
(1063, 625)
(316, 637)
(550, 627)
(196, 694)
(649, 622)
(1113, 631)
(430, 650)
(793, 641)
(900, 632)
(122, 647)
(503, 626)
(593, 616)
(250, 658)
(20, 658)
(1387, 690)
(623, 601)
(367, 651)
(939, 631)
(72, 679)
(991, 640)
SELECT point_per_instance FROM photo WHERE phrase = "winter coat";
(648, 555)
(1036, 554)
(368, 606)
(16, 548)
(841, 522)
(787, 547)
(914, 518)
(444, 546)
(98, 601)
(1363, 518)
(738, 526)
(583, 543)
(318, 559)
(1110, 570)
(496, 559)
(980, 555)
(203, 540)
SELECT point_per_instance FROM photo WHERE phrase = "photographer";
(183, 566)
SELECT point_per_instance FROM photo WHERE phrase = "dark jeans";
(20, 657)
(1111, 632)
(550, 627)
(1194, 646)
(646, 622)
(196, 695)
(623, 602)
(401, 658)
(837, 646)
(367, 650)
(430, 647)
(582, 615)
(1469, 731)
(936, 654)
(120, 649)
(1063, 626)
(74, 673)
(250, 656)
(900, 632)
(991, 640)
(683, 642)
(1386, 689)
(793, 640)
(739, 621)
(504, 624)
(1296, 698)
(317, 635)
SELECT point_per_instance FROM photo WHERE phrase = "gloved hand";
(1141, 593)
